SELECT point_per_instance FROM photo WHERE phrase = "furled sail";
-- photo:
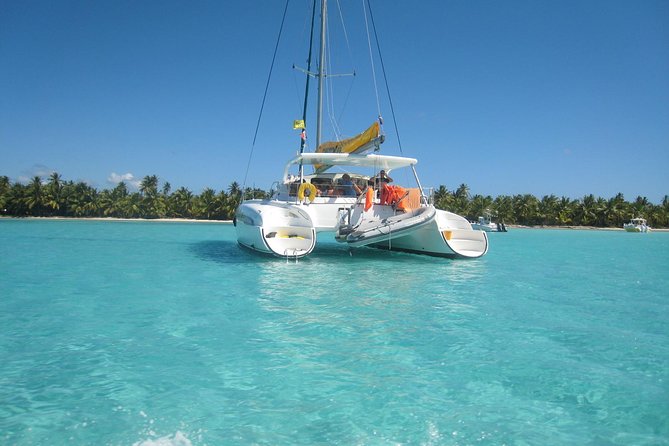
(367, 140)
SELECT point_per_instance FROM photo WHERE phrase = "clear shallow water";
(136, 333)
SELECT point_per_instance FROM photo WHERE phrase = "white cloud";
(128, 178)
(37, 170)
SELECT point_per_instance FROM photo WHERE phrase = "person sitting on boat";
(349, 188)
(381, 178)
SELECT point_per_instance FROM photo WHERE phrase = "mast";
(321, 74)
(306, 90)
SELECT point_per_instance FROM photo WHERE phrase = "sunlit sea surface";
(153, 333)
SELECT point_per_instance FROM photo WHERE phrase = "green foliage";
(552, 211)
(58, 198)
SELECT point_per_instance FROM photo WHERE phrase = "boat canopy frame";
(381, 162)
(385, 162)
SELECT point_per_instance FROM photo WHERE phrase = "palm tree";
(503, 207)
(479, 205)
(640, 206)
(149, 185)
(167, 187)
(461, 199)
(106, 203)
(34, 198)
(54, 192)
(565, 211)
(585, 211)
(207, 204)
(5, 188)
(82, 200)
(181, 203)
(152, 204)
(443, 199)
(601, 212)
(16, 203)
(234, 189)
(526, 209)
(548, 210)
(616, 210)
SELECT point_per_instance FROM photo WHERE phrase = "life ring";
(303, 187)
(369, 198)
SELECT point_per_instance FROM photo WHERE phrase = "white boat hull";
(275, 228)
(288, 230)
(395, 226)
(447, 235)
(636, 228)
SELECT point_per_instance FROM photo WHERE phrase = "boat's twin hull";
(447, 235)
(275, 228)
(287, 230)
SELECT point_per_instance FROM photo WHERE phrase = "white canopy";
(384, 162)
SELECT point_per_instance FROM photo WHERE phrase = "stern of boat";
(457, 233)
(274, 228)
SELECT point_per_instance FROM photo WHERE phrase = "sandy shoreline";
(156, 220)
(579, 228)
(229, 222)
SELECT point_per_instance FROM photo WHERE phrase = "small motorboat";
(637, 224)
(375, 229)
(486, 224)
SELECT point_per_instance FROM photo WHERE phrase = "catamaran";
(349, 194)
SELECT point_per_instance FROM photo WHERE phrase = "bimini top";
(385, 162)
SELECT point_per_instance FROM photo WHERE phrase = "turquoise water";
(140, 333)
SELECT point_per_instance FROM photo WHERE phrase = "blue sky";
(541, 97)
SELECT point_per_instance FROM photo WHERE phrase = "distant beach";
(161, 220)
(579, 228)
(229, 222)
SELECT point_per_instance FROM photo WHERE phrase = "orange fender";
(369, 198)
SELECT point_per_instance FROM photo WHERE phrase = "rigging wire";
(264, 97)
(343, 25)
(329, 87)
(371, 58)
(385, 78)
(298, 94)
(333, 116)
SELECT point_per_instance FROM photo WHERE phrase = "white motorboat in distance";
(486, 224)
(637, 224)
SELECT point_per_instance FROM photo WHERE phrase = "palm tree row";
(58, 198)
(551, 210)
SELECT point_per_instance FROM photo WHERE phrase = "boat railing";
(427, 195)
(274, 190)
